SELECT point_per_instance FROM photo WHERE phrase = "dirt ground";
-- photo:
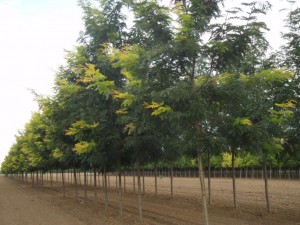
(20, 203)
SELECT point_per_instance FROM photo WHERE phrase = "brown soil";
(22, 204)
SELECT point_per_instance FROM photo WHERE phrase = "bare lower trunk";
(209, 183)
(143, 182)
(75, 184)
(171, 177)
(95, 186)
(85, 184)
(51, 182)
(139, 190)
(63, 183)
(120, 193)
(233, 178)
(155, 174)
(105, 190)
(266, 184)
(203, 190)
(42, 178)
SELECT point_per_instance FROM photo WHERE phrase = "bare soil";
(20, 203)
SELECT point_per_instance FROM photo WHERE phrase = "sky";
(33, 37)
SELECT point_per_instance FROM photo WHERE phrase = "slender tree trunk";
(85, 184)
(120, 191)
(143, 181)
(75, 184)
(95, 186)
(203, 190)
(233, 178)
(32, 179)
(37, 178)
(171, 178)
(155, 178)
(105, 189)
(42, 179)
(124, 183)
(209, 183)
(63, 182)
(133, 179)
(139, 190)
(266, 184)
(51, 183)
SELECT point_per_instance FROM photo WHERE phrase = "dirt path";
(21, 206)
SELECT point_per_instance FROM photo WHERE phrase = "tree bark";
(203, 190)
(233, 178)
(120, 192)
(95, 186)
(209, 183)
(266, 184)
(105, 189)
(63, 183)
(51, 182)
(75, 184)
(155, 178)
(171, 177)
(85, 184)
(139, 190)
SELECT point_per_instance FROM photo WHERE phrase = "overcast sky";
(33, 36)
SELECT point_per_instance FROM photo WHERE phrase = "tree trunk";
(266, 184)
(37, 178)
(203, 190)
(233, 178)
(155, 178)
(85, 184)
(63, 183)
(171, 177)
(51, 183)
(124, 183)
(120, 192)
(95, 186)
(105, 189)
(209, 184)
(75, 184)
(42, 179)
(143, 182)
(139, 190)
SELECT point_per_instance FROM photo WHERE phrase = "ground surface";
(22, 204)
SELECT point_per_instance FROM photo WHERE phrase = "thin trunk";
(139, 190)
(75, 184)
(233, 178)
(85, 184)
(32, 179)
(124, 183)
(203, 190)
(120, 192)
(209, 183)
(266, 184)
(171, 177)
(51, 183)
(42, 178)
(155, 178)
(37, 178)
(105, 190)
(133, 179)
(63, 182)
(143, 182)
(95, 186)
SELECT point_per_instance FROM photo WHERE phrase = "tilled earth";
(22, 204)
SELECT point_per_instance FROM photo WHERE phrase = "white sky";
(33, 36)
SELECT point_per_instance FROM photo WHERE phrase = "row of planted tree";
(186, 79)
